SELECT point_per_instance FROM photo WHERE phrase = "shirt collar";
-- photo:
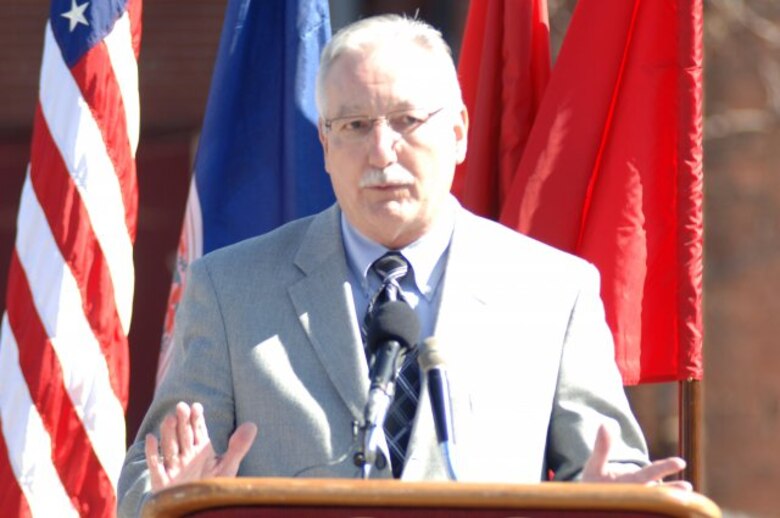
(423, 255)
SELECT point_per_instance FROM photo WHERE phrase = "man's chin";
(392, 224)
(393, 211)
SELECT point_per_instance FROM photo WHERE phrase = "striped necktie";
(391, 268)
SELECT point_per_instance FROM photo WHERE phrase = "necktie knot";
(391, 268)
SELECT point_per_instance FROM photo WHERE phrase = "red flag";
(63, 342)
(613, 172)
(504, 67)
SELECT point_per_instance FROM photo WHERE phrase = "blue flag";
(259, 162)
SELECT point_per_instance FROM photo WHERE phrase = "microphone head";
(394, 320)
(428, 355)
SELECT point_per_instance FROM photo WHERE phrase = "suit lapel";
(464, 297)
(326, 310)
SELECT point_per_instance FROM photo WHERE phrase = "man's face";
(391, 183)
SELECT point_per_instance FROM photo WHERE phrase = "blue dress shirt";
(427, 258)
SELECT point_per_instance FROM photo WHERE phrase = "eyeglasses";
(354, 128)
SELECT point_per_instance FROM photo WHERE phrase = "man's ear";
(461, 134)
(323, 141)
(321, 134)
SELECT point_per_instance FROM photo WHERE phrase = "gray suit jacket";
(267, 332)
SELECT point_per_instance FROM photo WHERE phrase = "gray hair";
(377, 30)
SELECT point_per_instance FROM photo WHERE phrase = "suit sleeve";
(200, 371)
(590, 392)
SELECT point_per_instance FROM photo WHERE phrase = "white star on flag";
(76, 14)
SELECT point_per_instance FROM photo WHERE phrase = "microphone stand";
(369, 454)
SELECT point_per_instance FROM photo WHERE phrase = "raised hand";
(598, 469)
(184, 452)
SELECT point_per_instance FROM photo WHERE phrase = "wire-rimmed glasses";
(353, 128)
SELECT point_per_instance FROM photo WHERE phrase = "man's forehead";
(402, 60)
(398, 80)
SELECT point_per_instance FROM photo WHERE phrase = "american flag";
(63, 341)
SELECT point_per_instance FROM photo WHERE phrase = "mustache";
(394, 174)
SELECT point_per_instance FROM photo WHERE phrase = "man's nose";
(382, 142)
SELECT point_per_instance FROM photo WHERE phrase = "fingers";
(169, 440)
(659, 470)
(181, 433)
(185, 452)
(200, 433)
(177, 443)
(238, 447)
(157, 474)
(598, 468)
(596, 465)
(184, 429)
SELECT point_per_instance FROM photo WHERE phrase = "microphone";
(393, 329)
(432, 364)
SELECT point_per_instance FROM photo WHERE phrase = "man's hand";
(185, 453)
(598, 469)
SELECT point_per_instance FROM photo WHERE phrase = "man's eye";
(356, 125)
(405, 121)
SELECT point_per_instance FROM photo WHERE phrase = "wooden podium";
(331, 498)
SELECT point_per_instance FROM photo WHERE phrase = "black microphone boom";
(393, 329)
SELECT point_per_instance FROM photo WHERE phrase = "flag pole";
(690, 432)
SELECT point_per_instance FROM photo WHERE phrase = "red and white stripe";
(63, 343)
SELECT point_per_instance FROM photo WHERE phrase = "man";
(268, 334)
